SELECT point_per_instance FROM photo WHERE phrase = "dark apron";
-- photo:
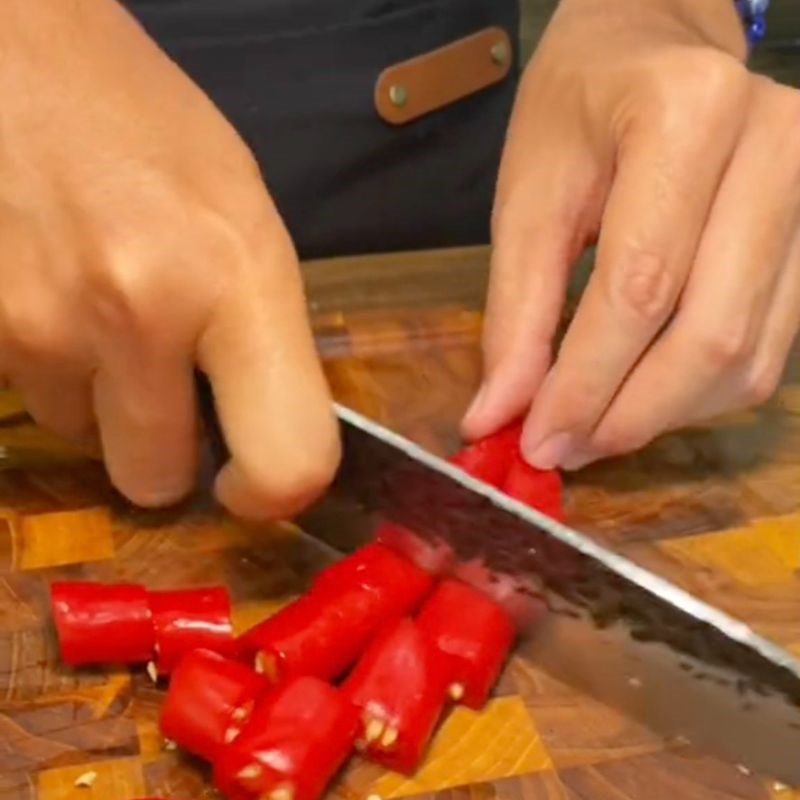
(297, 79)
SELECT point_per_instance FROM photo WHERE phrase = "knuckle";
(702, 77)
(723, 77)
(136, 281)
(760, 384)
(115, 291)
(643, 287)
(676, 94)
(727, 348)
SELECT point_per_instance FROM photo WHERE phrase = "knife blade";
(623, 635)
(618, 632)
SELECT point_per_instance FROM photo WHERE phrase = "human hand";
(640, 123)
(137, 242)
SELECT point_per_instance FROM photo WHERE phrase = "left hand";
(692, 164)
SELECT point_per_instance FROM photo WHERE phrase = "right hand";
(638, 126)
(137, 241)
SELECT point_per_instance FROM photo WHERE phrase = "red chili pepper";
(380, 569)
(210, 700)
(400, 687)
(474, 633)
(297, 739)
(518, 598)
(489, 459)
(188, 620)
(540, 489)
(102, 624)
(434, 557)
(325, 631)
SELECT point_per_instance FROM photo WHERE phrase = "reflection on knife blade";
(617, 631)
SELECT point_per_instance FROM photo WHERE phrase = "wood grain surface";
(715, 509)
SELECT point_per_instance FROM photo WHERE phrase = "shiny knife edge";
(625, 568)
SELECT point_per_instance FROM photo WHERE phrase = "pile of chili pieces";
(367, 661)
(127, 624)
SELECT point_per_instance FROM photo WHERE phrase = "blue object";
(754, 17)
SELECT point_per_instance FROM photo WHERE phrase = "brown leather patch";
(409, 90)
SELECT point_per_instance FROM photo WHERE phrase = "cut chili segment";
(473, 633)
(102, 623)
(490, 458)
(210, 700)
(540, 489)
(400, 689)
(518, 597)
(191, 619)
(325, 631)
(435, 556)
(297, 739)
(400, 583)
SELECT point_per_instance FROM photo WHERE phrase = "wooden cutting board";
(714, 509)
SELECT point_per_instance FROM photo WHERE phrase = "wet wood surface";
(715, 509)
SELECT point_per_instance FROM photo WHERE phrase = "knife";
(620, 633)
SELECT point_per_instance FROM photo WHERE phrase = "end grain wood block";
(67, 537)
(120, 779)
(87, 723)
(500, 742)
(765, 553)
(7, 525)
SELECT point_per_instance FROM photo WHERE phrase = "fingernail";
(158, 496)
(552, 452)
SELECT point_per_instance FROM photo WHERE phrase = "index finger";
(270, 393)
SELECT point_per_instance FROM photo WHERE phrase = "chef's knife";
(624, 635)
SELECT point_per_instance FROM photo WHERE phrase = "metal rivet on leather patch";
(499, 53)
(398, 95)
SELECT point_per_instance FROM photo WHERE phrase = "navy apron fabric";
(297, 78)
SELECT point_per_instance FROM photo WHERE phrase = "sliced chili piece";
(399, 581)
(189, 619)
(296, 740)
(474, 633)
(209, 701)
(315, 635)
(102, 623)
(540, 489)
(400, 688)
(489, 459)
(434, 557)
(325, 631)
(518, 598)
